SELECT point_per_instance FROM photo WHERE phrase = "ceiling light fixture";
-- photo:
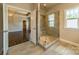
(44, 5)
(10, 14)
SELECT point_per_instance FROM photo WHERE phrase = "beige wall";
(66, 34)
(43, 22)
(15, 23)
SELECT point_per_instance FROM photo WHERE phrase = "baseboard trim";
(72, 43)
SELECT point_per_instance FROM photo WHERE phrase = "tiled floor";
(28, 48)
(25, 49)
(62, 49)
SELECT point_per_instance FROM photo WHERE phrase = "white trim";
(70, 42)
(5, 29)
(17, 8)
(38, 23)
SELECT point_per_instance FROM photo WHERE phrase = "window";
(51, 19)
(72, 18)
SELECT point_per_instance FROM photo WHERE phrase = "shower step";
(49, 45)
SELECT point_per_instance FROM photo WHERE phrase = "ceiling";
(48, 5)
(13, 10)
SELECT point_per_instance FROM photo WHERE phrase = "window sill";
(72, 28)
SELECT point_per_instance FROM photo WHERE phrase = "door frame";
(5, 26)
(5, 29)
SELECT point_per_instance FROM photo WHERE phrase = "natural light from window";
(51, 19)
(71, 18)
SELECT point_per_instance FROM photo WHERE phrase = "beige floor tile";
(28, 48)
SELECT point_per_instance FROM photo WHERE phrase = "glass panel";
(51, 24)
(51, 16)
(76, 11)
(67, 14)
(72, 23)
(51, 20)
(72, 13)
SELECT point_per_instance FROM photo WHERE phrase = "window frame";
(65, 20)
(51, 20)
